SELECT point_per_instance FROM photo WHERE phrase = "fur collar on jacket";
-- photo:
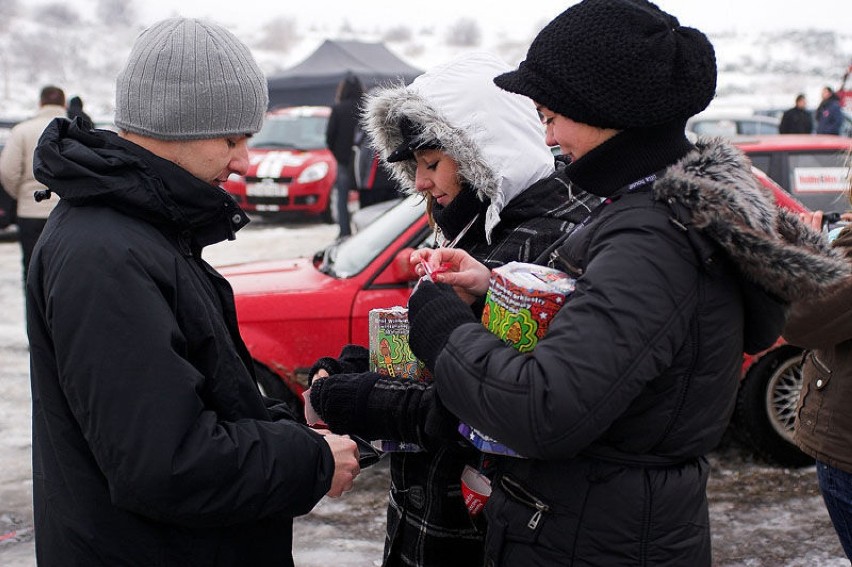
(770, 245)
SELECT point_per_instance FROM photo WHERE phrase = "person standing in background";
(339, 137)
(828, 114)
(823, 428)
(152, 444)
(797, 120)
(16, 171)
(75, 109)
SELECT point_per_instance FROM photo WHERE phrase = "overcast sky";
(707, 15)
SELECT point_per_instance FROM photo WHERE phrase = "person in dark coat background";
(340, 136)
(152, 444)
(685, 265)
(797, 120)
(829, 115)
(16, 172)
(75, 109)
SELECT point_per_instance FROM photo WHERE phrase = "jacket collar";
(770, 245)
(99, 167)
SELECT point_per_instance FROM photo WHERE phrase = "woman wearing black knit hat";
(686, 264)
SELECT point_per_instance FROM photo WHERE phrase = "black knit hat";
(617, 64)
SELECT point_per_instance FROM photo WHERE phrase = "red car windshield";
(297, 132)
(350, 256)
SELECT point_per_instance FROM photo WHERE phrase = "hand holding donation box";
(521, 301)
(390, 354)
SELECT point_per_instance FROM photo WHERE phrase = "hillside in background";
(82, 53)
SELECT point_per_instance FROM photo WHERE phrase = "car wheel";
(274, 387)
(766, 407)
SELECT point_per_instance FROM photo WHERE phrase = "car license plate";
(267, 188)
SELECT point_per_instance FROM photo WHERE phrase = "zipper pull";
(536, 518)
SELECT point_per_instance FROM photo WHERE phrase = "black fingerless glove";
(434, 312)
(352, 359)
(342, 401)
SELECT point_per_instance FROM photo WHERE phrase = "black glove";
(342, 401)
(352, 359)
(434, 311)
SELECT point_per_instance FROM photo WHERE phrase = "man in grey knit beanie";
(189, 80)
(152, 443)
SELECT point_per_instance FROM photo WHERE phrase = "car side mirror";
(399, 271)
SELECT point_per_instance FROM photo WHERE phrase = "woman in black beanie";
(686, 264)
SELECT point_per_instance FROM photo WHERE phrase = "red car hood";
(288, 291)
(282, 163)
(277, 276)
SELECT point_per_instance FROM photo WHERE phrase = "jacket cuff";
(434, 312)
(341, 400)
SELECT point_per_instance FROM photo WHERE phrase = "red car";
(812, 168)
(292, 312)
(290, 169)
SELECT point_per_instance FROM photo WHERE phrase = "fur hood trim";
(771, 246)
(495, 136)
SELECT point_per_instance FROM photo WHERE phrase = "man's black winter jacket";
(151, 442)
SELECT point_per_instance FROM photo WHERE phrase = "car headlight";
(313, 172)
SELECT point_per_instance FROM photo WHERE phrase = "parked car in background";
(812, 168)
(728, 124)
(292, 312)
(290, 168)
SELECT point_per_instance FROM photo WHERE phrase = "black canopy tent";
(314, 80)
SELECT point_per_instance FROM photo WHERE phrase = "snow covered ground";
(760, 515)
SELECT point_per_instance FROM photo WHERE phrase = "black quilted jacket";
(637, 376)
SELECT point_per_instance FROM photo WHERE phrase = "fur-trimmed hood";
(495, 136)
(771, 246)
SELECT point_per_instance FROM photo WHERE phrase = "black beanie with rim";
(617, 64)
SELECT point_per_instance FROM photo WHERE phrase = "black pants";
(28, 232)
(343, 186)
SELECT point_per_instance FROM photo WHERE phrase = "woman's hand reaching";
(455, 267)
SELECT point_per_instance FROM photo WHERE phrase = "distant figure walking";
(339, 136)
(797, 120)
(828, 114)
(75, 109)
(16, 171)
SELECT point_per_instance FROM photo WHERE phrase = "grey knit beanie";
(190, 80)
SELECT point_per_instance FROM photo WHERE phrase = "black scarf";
(630, 155)
(454, 217)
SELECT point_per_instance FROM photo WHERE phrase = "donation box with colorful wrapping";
(522, 299)
(390, 354)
